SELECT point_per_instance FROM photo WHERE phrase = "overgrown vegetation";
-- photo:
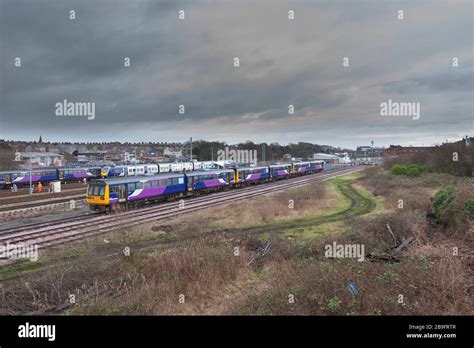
(455, 159)
(469, 208)
(241, 258)
(411, 170)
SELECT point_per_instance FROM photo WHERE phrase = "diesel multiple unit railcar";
(45, 175)
(110, 193)
(153, 169)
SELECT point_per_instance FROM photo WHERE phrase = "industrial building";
(328, 158)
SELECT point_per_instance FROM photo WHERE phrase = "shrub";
(469, 208)
(411, 170)
(443, 205)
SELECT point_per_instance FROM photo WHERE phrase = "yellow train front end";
(98, 195)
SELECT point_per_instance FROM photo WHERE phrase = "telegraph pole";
(263, 152)
(31, 187)
(212, 154)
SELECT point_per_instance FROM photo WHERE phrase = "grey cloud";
(190, 63)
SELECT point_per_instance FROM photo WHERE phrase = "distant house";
(88, 156)
(173, 153)
(40, 158)
(396, 150)
(114, 156)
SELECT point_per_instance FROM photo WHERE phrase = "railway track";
(71, 229)
(13, 208)
(24, 192)
(39, 196)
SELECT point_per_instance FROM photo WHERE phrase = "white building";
(40, 158)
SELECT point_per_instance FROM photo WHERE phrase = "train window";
(113, 189)
(148, 184)
(96, 190)
(132, 186)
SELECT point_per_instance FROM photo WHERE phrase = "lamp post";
(136, 161)
(28, 149)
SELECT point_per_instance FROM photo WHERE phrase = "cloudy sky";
(282, 62)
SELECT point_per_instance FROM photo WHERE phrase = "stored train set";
(115, 193)
(21, 177)
(113, 187)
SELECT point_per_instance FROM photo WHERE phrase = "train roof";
(79, 168)
(26, 170)
(119, 181)
(250, 168)
(207, 172)
(280, 165)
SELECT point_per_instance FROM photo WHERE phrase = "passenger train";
(112, 193)
(21, 177)
(152, 169)
(67, 174)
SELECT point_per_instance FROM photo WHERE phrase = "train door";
(191, 182)
(61, 174)
(122, 193)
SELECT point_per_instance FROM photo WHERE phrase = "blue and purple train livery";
(251, 174)
(208, 180)
(45, 175)
(279, 171)
(104, 194)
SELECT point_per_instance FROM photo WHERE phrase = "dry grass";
(190, 256)
(312, 199)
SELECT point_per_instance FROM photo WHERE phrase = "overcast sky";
(282, 62)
